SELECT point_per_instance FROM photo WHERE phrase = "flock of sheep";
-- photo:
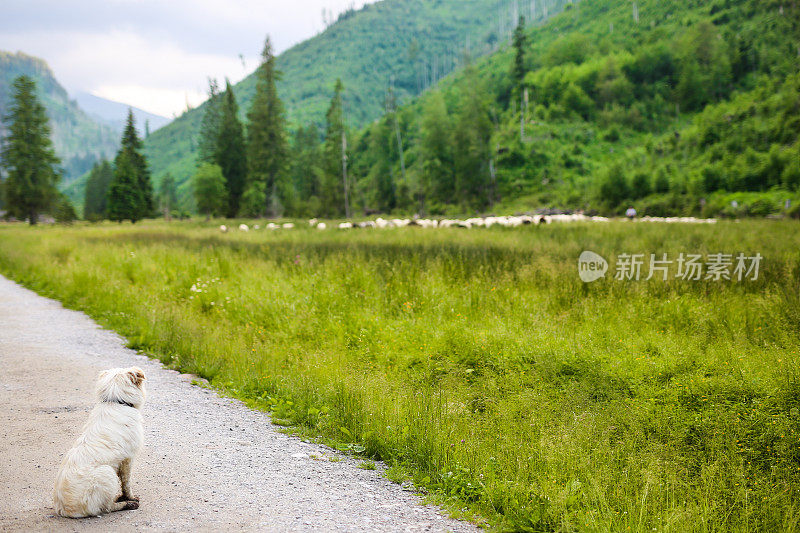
(475, 222)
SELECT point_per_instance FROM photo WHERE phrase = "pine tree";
(267, 148)
(64, 211)
(473, 130)
(209, 127)
(95, 202)
(518, 69)
(383, 150)
(131, 192)
(27, 156)
(333, 188)
(436, 145)
(231, 154)
(209, 189)
(391, 110)
(305, 157)
(125, 196)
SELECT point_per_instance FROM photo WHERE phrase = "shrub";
(614, 187)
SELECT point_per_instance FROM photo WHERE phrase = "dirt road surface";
(208, 463)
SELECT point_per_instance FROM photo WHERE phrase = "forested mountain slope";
(669, 106)
(409, 44)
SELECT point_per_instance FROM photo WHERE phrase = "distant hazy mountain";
(114, 113)
(79, 140)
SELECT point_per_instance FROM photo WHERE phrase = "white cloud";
(156, 76)
(156, 54)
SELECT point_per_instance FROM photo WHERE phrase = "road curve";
(209, 463)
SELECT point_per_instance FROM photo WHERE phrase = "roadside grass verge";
(476, 362)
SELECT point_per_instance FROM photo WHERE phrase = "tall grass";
(477, 361)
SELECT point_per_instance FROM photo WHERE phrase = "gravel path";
(208, 463)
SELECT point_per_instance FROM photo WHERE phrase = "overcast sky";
(156, 54)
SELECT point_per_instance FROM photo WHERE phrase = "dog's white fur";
(98, 467)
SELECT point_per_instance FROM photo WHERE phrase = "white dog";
(98, 468)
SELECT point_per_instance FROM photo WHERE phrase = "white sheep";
(243, 227)
(345, 225)
(223, 228)
(288, 225)
(321, 225)
(312, 222)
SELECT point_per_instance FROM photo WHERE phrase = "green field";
(476, 362)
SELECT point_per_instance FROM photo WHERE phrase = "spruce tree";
(305, 162)
(382, 150)
(333, 193)
(231, 154)
(125, 196)
(64, 211)
(96, 199)
(266, 141)
(209, 127)
(436, 146)
(27, 156)
(131, 192)
(473, 129)
(518, 69)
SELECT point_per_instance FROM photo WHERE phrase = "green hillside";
(78, 139)
(413, 42)
(672, 107)
(691, 106)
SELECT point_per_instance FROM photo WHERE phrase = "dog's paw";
(131, 506)
(124, 498)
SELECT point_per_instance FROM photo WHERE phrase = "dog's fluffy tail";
(86, 491)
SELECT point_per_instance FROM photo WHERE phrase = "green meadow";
(475, 362)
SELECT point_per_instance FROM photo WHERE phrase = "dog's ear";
(136, 375)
